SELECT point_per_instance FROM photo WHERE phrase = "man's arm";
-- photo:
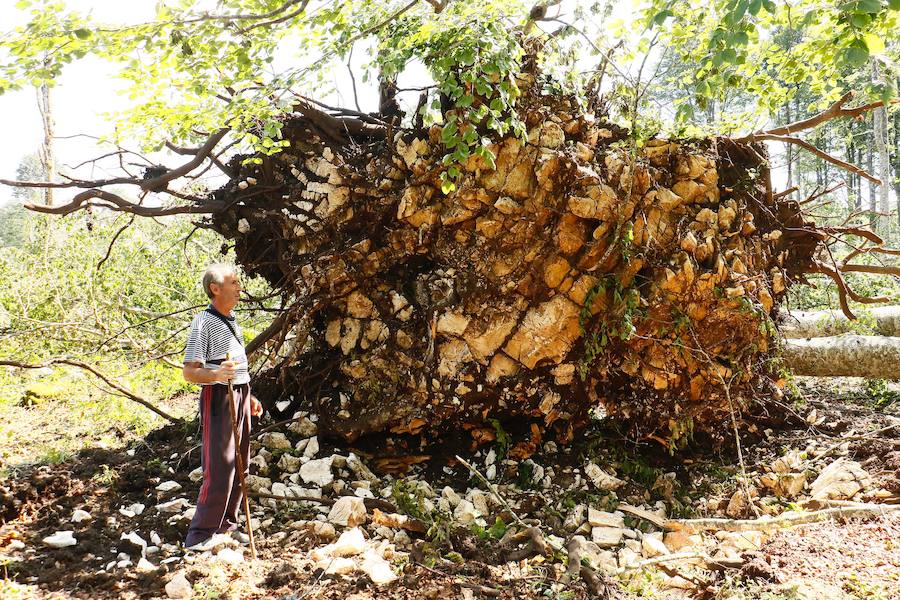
(194, 372)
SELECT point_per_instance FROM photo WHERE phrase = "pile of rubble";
(350, 522)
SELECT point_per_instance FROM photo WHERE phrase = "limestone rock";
(599, 518)
(601, 479)
(607, 537)
(350, 543)
(377, 568)
(841, 480)
(168, 487)
(348, 511)
(652, 545)
(79, 515)
(275, 440)
(317, 471)
(179, 587)
(60, 539)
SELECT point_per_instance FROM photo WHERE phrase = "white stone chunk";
(60, 539)
(179, 586)
(350, 543)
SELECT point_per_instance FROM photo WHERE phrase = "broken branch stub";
(570, 276)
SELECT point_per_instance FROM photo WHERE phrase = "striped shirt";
(210, 339)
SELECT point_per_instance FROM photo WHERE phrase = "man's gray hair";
(216, 273)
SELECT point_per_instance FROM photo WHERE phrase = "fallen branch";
(787, 520)
(493, 489)
(106, 379)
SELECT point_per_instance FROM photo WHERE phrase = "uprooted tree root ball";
(583, 272)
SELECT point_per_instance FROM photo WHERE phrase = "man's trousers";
(219, 499)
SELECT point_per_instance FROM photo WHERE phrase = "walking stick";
(239, 463)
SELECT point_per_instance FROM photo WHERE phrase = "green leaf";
(854, 56)
(82, 34)
(860, 20)
(874, 43)
(770, 7)
(894, 4)
(868, 6)
(755, 7)
(660, 17)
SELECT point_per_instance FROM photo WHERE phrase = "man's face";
(229, 293)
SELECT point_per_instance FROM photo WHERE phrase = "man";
(214, 334)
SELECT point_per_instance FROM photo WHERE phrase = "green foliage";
(502, 438)
(616, 323)
(494, 532)
(733, 45)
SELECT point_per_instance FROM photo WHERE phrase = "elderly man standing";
(214, 335)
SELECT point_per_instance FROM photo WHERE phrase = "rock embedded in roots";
(570, 276)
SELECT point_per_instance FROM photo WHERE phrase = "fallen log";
(844, 356)
(881, 320)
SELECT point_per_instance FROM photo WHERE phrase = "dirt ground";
(854, 559)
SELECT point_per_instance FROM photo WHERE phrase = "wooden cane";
(239, 463)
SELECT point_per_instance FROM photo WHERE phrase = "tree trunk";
(844, 356)
(873, 197)
(883, 320)
(46, 152)
(789, 148)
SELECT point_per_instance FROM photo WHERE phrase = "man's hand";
(226, 371)
(256, 407)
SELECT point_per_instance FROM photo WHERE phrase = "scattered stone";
(348, 511)
(304, 427)
(465, 512)
(598, 518)
(377, 568)
(317, 472)
(229, 556)
(841, 480)
(350, 543)
(155, 539)
(275, 440)
(179, 586)
(338, 566)
(145, 566)
(255, 483)
(80, 515)
(60, 539)
(601, 479)
(289, 463)
(132, 510)
(136, 540)
(359, 469)
(196, 475)
(607, 537)
(167, 487)
(173, 506)
(312, 447)
(652, 545)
